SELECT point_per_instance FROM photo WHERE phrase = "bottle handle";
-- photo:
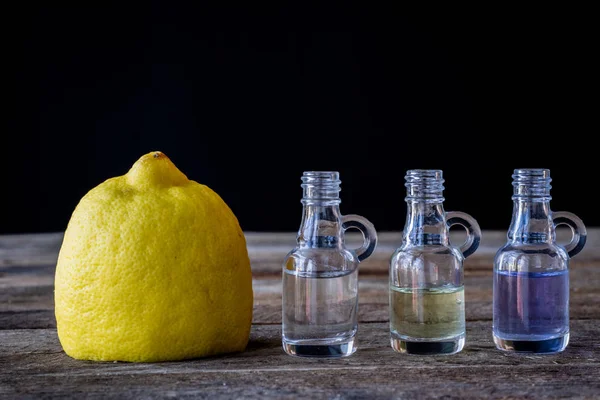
(577, 228)
(471, 226)
(368, 231)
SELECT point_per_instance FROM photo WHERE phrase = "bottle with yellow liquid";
(427, 308)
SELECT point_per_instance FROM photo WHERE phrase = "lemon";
(153, 267)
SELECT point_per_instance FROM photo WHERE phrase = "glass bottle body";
(531, 271)
(320, 302)
(320, 275)
(427, 308)
(531, 297)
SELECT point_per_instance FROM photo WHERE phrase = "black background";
(245, 98)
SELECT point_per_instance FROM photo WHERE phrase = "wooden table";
(33, 365)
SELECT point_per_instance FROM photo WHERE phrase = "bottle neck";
(321, 224)
(425, 219)
(531, 221)
(426, 224)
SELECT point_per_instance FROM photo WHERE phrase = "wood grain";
(33, 365)
(264, 370)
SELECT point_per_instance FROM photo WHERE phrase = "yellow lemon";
(152, 267)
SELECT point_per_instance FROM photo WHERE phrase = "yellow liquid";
(417, 314)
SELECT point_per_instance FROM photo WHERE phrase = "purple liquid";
(531, 306)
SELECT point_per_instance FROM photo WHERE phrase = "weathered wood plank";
(467, 382)
(33, 364)
(23, 296)
(269, 312)
(32, 319)
(267, 250)
(264, 350)
(30, 249)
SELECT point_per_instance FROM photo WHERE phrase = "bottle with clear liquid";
(427, 307)
(320, 274)
(531, 271)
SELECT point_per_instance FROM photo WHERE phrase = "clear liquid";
(532, 307)
(427, 320)
(320, 313)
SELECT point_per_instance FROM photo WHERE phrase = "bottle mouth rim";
(321, 187)
(333, 175)
(329, 179)
(424, 184)
(436, 174)
(531, 183)
(542, 173)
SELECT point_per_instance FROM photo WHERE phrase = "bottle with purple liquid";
(531, 271)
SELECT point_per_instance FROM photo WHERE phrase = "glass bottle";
(531, 275)
(320, 275)
(427, 310)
